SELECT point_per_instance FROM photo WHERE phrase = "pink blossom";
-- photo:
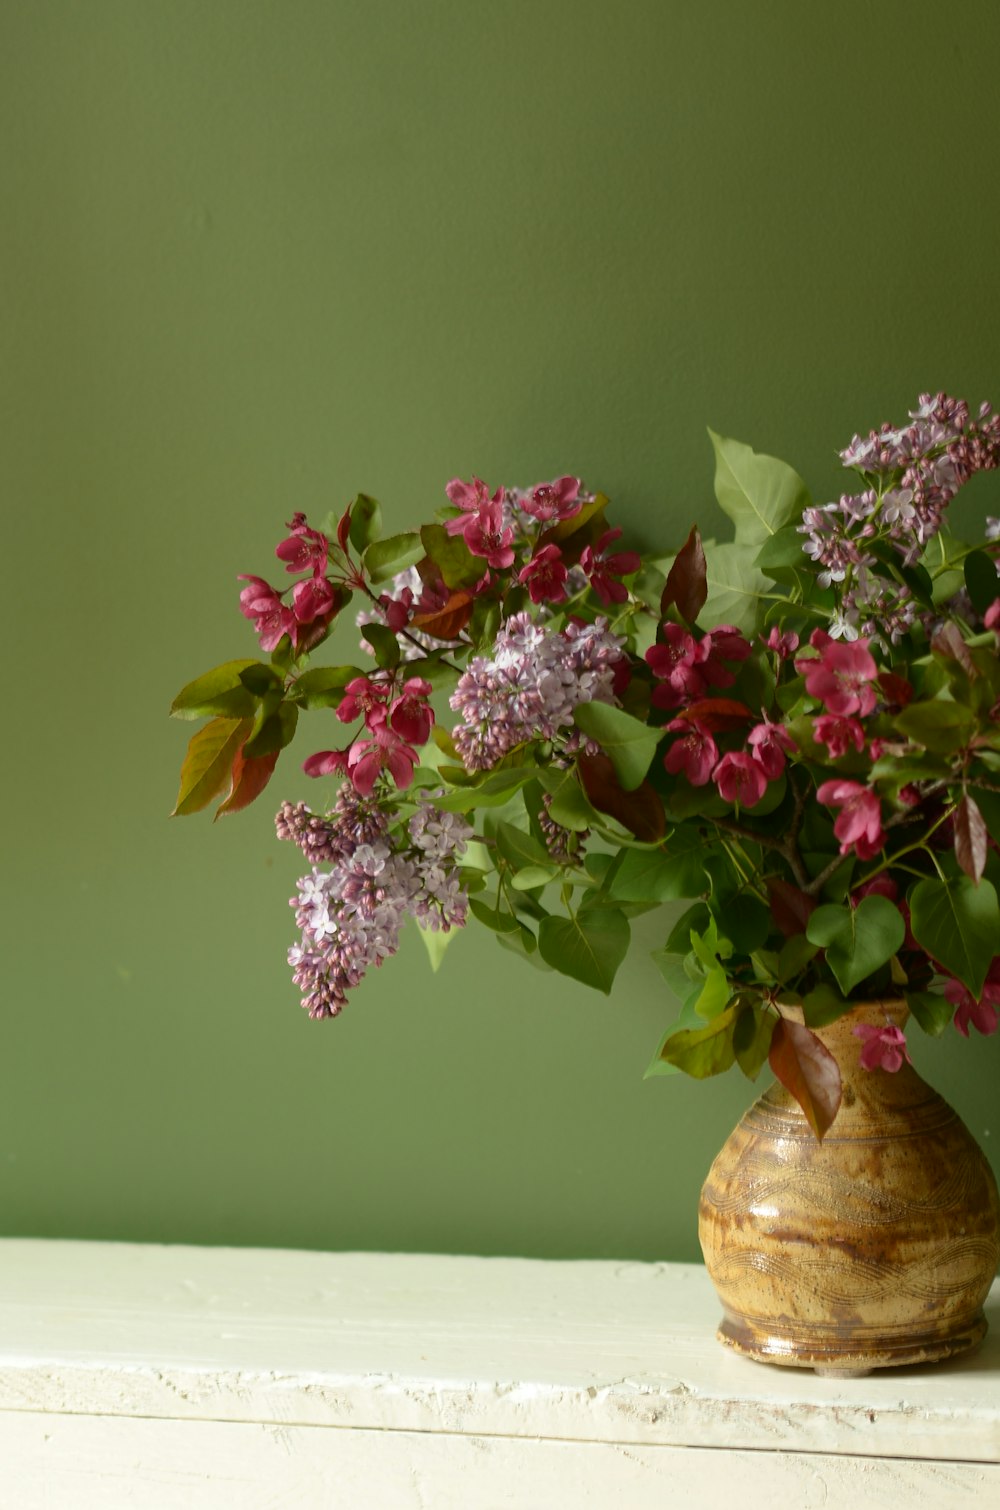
(485, 534)
(838, 734)
(724, 643)
(859, 823)
(398, 611)
(740, 778)
(783, 645)
(382, 750)
(410, 714)
(272, 620)
(770, 744)
(841, 675)
(982, 1014)
(314, 598)
(992, 616)
(305, 549)
(603, 570)
(695, 753)
(361, 698)
(470, 497)
(554, 500)
(677, 666)
(884, 1048)
(545, 576)
(326, 763)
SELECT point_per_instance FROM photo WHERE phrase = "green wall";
(259, 256)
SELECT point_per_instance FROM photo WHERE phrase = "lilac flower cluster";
(350, 916)
(563, 844)
(530, 684)
(913, 474)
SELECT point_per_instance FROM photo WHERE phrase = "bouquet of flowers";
(790, 738)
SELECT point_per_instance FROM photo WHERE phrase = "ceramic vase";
(874, 1248)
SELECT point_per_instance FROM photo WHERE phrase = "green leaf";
(323, 686)
(628, 742)
(494, 791)
(662, 875)
(824, 1005)
(366, 524)
(208, 763)
(531, 876)
(519, 848)
(385, 646)
(736, 588)
(436, 941)
(958, 923)
(942, 725)
(569, 806)
(931, 1011)
(589, 950)
(218, 693)
(492, 917)
(759, 493)
(384, 558)
(752, 1039)
(858, 939)
(701, 1052)
(452, 557)
(981, 580)
(783, 548)
(275, 732)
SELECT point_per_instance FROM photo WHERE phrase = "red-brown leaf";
(717, 713)
(449, 620)
(791, 908)
(209, 762)
(640, 811)
(972, 838)
(948, 641)
(250, 776)
(808, 1071)
(687, 583)
(895, 689)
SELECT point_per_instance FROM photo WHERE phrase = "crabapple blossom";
(553, 500)
(739, 778)
(545, 576)
(883, 1048)
(983, 1014)
(859, 823)
(695, 753)
(840, 676)
(603, 571)
(770, 743)
(838, 734)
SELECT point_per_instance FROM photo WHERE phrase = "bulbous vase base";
(873, 1249)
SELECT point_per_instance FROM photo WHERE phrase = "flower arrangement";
(791, 737)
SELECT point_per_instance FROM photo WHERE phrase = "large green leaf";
(589, 949)
(958, 923)
(629, 743)
(759, 493)
(568, 805)
(700, 1052)
(384, 558)
(736, 588)
(219, 693)
(323, 686)
(857, 940)
(662, 875)
(942, 725)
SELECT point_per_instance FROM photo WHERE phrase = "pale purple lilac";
(530, 685)
(350, 916)
(563, 844)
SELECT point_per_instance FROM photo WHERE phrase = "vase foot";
(849, 1357)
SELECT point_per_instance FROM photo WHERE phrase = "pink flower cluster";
(315, 599)
(983, 1014)
(396, 721)
(350, 916)
(687, 671)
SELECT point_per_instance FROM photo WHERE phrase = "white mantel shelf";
(237, 1379)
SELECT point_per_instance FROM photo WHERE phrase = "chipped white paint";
(163, 1376)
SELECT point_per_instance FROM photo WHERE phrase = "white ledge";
(608, 1356)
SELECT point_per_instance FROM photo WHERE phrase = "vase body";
(874, 1248)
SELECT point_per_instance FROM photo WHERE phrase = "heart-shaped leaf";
(958, 923)
(629, 743)
(858, 939)
(588, 949)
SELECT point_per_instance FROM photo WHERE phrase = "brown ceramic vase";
(874, 1248)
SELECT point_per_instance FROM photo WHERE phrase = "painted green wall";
(258, 256)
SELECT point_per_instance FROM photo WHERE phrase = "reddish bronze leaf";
(446, 622)
(948, 641)
(209, 762)
(687, 585)
(640, 811)
(791, 908)
(972, 838)
(250, 776)
(808, 1071)
(717, 713)
(895, 689)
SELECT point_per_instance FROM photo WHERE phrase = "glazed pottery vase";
(874, 1248)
